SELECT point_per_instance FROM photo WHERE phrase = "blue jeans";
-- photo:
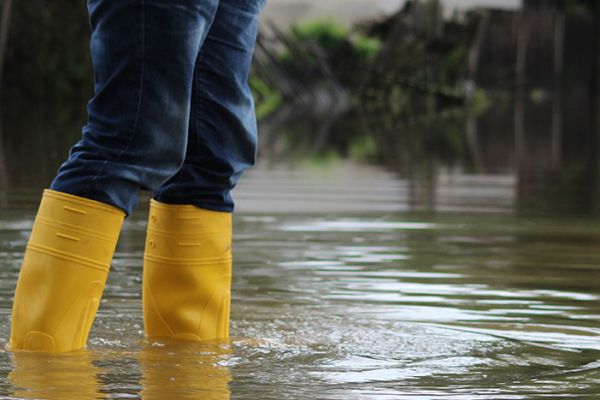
(172, 111)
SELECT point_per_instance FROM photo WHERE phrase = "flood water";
(352, 280)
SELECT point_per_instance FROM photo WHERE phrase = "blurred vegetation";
(335, 37)
(48, 59)
(345, 53)
(579, 6)
(348, 52)
(267, 98)
(422, 67)
(408, 63)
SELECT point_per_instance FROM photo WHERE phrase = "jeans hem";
(199, 204)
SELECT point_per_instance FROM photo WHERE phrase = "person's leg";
(187, 262)
(222, 131)
(144, 54)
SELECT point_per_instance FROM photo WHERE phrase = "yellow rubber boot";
(187, 273)
(63, 273)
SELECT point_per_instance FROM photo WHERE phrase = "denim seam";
(133, 128)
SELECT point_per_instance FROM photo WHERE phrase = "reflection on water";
(357, 275)
(499, 161)
(167, 370)
(184, 371)
(64, 377)
(530, 158)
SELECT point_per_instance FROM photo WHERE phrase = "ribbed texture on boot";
(64, 270)
(187, 273)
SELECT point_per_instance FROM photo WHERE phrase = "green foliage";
(332, 36)
(366, 46)
(481, 101)
(450, 142)
(399, 100)
(455, 58)
(579, 7)
(267, 99)
(363, 148)
(326, 33)
(259, 87)
(325, 158)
